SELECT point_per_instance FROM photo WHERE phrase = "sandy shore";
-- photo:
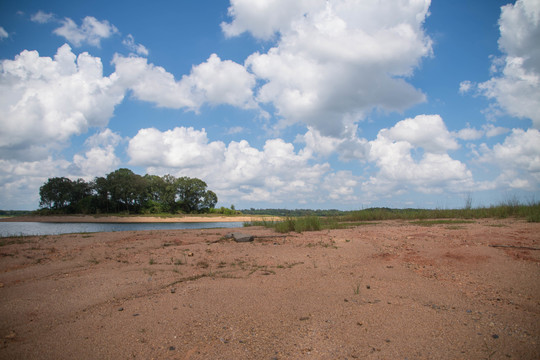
(391, 290)
(131, 219)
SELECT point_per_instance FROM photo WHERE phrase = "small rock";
(11, 335)
(173, 290)
(241, 237)
(304, 318)
(190, 254)
(120, 309)
(495, 336)
(368, 287)
(172, 348)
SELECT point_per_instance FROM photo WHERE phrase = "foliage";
(14, 212)
(123, 191)
(509, 208)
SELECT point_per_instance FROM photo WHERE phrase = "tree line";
(124, 191)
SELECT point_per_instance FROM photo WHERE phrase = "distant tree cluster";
(124, 191)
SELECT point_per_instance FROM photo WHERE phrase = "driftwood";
(230, 236)
(515, 247)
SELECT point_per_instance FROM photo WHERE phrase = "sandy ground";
(392, 290)
(131, 219)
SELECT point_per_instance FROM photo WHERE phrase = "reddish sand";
(392, 290)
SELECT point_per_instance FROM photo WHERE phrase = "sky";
(321, 104)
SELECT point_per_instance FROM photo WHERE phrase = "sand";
(391, 290)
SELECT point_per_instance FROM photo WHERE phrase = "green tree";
(128, 191)
(55, 193)
(192, 195)
(101, 194)
(168, 193)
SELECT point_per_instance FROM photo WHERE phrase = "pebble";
(172, 348)
(120, 309)
(173, 290)
(495, 336)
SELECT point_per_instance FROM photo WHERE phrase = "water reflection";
(36, 228)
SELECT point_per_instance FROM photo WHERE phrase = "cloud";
(178, 148)
(91, 31)
(223, 82)
(152, 83)
(516, 84)
(45, 101)
(342, 186)
(214, 82)
(335, 61)
(100, 158)
(348, 147)
(518, 158)
(426, 131)
(237, 171)
(413, 156)
(42, 17)
(465, 86)
(263, 18)
(139, 49)
(488, 130)
(20, 180)
(3, 34)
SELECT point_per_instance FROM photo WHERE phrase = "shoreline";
(130, 219)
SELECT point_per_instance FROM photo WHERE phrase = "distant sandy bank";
(131, 219)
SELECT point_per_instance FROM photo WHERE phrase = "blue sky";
(307, 104)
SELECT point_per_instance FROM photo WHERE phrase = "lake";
(38, 228)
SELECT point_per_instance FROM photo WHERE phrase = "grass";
(425, 217)
(441, 222)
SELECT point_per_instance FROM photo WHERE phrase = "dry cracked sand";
(390, 290)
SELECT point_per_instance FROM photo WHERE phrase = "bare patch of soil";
(391, 290)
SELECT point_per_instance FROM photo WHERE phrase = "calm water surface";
(36, 228)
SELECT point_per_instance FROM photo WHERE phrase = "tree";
(100, 188)
(55, 193)
(210, 200)
(123, 190)
(192, 195)
(128, 190)
(168, 193)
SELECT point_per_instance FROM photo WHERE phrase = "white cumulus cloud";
(100, 158)
(91, 31)
(518, 159)
(334, 61)
(515, 87)
(238, 171)
(44, 101)
(20, 180)
(413, 156)
(213, 82)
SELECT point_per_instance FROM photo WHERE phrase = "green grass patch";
(440, 222)
(424, 217)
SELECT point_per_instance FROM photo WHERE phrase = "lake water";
(37, 228)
